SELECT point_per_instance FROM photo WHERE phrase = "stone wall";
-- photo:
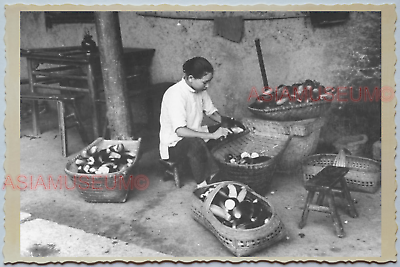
(346, 54)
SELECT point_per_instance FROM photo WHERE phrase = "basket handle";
(214, 192)
(212, 195)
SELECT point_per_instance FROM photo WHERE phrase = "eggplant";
(92, 150)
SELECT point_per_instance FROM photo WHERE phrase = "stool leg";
(320, 198)
(61, 126)
(176, 177)
(306, 210)
(350, 202)
(81, 129)
(337, 223)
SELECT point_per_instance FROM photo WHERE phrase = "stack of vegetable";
(305, 92)
(234, 207)
(103, 161)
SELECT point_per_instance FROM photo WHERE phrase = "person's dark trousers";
(194, 150)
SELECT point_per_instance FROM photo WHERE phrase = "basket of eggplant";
(101, 172)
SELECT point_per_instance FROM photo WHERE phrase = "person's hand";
(227, 122)
(221, 132)
(230, 122)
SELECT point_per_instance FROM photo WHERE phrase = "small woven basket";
(240, 242)
(364, 175)
(354, 143)
(257, 176)
(293, 112)
(104, 188)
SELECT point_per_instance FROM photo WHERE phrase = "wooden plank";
(211, 15)
(57, 87)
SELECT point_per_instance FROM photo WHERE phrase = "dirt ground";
(158, 219)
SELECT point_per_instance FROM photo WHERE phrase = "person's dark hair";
(198, 67)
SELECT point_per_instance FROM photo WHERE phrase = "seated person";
(182, 135)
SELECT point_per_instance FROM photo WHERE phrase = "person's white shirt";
(182, 106)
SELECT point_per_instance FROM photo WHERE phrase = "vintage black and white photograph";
(201, 134)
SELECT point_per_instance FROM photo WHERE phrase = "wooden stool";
(62, 117)
(323, 183)
(171, 170)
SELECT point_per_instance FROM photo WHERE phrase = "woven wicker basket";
(112, 187)
(364, 174)
(240, 242)
(257, 176)
(293, 112)
(376, 150)
(301, 146)
(294, 128)
(354, 143)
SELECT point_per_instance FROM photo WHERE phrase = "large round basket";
(364, 174)
(257, 176)
(293, 112)
(105, 188)
(300, 147)
(240, 242)
(305, 136)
